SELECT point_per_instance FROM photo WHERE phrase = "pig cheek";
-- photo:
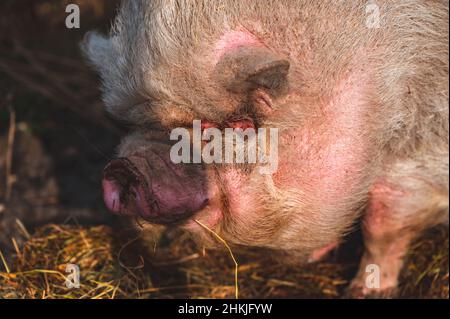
(326, 171)
(238, 204)
(212, 214)
(239, 200)
(328, 159)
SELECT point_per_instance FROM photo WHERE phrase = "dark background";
(63, 137)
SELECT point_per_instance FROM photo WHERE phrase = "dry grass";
(38, 270)
(180, 269)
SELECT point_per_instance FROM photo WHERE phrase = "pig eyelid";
(262, 96)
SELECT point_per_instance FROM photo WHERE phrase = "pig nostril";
(153, 188)
(111, 195)
(120, 182)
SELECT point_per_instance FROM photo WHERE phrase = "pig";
(358, 91)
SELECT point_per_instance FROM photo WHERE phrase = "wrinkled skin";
(362, 115)
(161, 191)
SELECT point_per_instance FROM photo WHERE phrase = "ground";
(50, 168)
(177, 268)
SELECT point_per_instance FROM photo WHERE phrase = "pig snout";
(151, 186)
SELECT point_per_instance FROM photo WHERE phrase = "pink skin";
(322, 158)
(243, 125)
(133, 185)
(331, 146)
(232, 40)
(385, 239)
(111, 192)
(111, 197)
(330, 166)
(322, 252)
(378, 214)
(213, 209)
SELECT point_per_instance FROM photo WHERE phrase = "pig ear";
(248, 68)
(97, 49)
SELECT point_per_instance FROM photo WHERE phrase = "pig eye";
(262, 100)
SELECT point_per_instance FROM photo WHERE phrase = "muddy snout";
(148, 184)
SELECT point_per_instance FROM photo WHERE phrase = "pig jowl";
(149, 185)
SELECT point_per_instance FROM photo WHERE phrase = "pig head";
(351, 103)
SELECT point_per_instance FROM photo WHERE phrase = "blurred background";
(50, 169)
(54, 141)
